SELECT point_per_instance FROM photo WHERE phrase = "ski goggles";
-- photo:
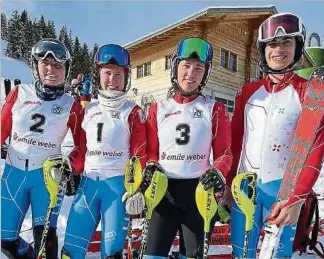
(112, 54)
(45, 48)
(195, 46)
(287, 24)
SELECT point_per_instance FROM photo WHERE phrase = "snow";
(12, 69)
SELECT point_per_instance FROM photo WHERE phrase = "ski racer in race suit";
(36, 117)
(113, 130)
(182, 132)
(263, 125)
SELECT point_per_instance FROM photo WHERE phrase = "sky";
(121, 22)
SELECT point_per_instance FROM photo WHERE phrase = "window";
(167, 62)
(140, 71)
(144, 70)
(228, 60)
(228, 103)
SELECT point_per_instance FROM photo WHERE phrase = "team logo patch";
(141, 115)
(197, 113)
(57, 109)
(115, 114)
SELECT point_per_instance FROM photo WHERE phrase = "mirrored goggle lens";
(112, 54)
(193, 46)
(56, 50)
(288, 23)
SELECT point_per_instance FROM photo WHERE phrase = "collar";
(282, 84)
(184, 99)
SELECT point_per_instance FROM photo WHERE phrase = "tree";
(15, 39)
(25, 47)
(64, 38)
(51, 33)
(77, 58)
(4, 27)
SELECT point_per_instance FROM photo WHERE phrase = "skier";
(181, 133)
(113, 130)
(264, 120)
(37, 117)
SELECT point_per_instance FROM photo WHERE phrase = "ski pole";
(133, 179)
(207, 207)
(153, 195)
(246, 202)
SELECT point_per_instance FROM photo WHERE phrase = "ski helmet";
(192, 48)
(116, 55)
(281, 25)
(41, 50)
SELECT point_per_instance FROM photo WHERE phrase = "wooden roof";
(207, 15)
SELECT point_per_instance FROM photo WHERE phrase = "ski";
(7, 85)
(133, 179)
(55, 182)
(207, 207)
(153, 195)
(246, 202)
(311, 116)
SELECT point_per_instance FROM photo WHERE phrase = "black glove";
(72, 184)
(213, 178)
(4, 150)
(73, 179)
(148, 172)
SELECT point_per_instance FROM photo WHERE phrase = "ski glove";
(213, 178)
(135, 204)
(63, 172)
(148, 172)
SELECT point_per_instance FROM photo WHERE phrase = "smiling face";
(51, 72)
(280, 52)
(190, 74)
(112, 77)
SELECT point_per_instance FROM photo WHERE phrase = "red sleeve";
(237, 132)
(311, 169)
(137, 127)
(6, 115)
(152, 148)
(221, 143)
(74, 123)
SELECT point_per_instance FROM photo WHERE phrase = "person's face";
(190, 74)
(280, 52)
(112, 77)
(51, 72)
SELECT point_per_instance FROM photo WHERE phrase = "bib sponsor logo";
(183, 157)
(14, 136)
(34, 142)
(95, 114)
(108, 154)
(32, 102)
(197, 113)
(57, 109)
(172, 113)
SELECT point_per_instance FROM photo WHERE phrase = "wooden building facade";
(232, 31)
